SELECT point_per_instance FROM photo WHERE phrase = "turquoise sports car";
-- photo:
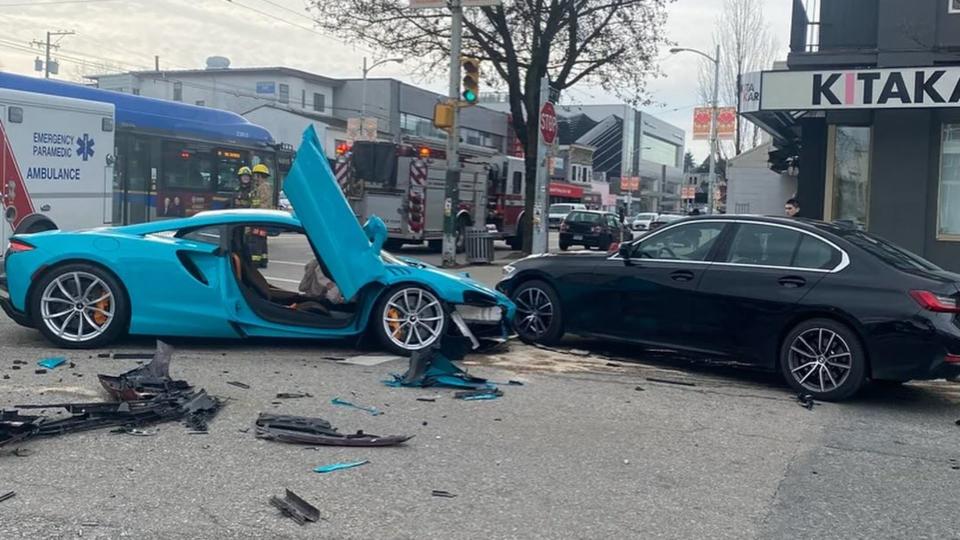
(196, 277)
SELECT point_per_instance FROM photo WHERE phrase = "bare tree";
(610, 43)
(746, 44)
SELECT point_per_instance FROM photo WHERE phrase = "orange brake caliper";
(100, 317)
(394, 323)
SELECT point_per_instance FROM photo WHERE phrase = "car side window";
(205, 235)
(687, 242)
(612, 221)
(815, 253)
(763, 245)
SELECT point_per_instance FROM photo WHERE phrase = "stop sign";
(548, 123)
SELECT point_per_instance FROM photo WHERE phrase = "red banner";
(565, 190)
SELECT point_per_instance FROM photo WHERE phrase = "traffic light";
(471, 79)
(443, 115)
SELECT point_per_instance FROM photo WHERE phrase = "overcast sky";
(126, 34)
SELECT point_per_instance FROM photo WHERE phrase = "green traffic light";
(469, 96)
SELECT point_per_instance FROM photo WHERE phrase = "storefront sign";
(565, 190)
(923, 87)
(629, 183)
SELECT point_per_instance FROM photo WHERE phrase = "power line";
(54, 3)
(295, 25)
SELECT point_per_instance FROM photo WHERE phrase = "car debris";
(316, 432)
(295, 508)
(39, 371)
(8, 495)
(427, 399)
(52, 363)
(475, 395)
(239, 384)
(434, 367)
(130, 356)
(342, 403)
(293, 395)
(671, 381)
(339, 466)
(806, 401)
(147, 381)
(125, 430)
(444, 494)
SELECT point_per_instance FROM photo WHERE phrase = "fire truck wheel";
(79, 306)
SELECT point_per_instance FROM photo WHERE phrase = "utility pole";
(541, 219)
(451, 201)
(47, 46)
(713, 133)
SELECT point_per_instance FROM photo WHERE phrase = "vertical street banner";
(726, 123)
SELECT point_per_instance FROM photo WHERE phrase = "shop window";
(851, 175)
(319, 102)
(948, 222)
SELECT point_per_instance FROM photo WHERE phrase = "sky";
(123, 35)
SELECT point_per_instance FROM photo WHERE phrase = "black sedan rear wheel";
(823, 358)
(539, 316)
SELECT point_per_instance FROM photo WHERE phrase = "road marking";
(283, 280)
(288, 262)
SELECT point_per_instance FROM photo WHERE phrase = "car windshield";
(583, 217)
(889, 253)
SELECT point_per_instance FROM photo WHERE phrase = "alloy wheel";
(820, 360)
(534, 312)
(413, 318)
(77, 306)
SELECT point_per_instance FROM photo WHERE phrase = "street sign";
(548, 123)
(434, 4)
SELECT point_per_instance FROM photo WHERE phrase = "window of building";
(517, 182)
(284, 95)
(178, 91)
(303, 98)
(659, 151)
(319, 102)
(851, 175)
(948, 217)
(136, 91)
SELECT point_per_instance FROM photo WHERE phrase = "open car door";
(351, 254)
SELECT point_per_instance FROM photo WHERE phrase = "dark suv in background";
(590, 228)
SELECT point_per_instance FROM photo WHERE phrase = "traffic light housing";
(470, 67)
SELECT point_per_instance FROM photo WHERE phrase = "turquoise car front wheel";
(409, 318)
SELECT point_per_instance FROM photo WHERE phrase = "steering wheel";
(668, 251)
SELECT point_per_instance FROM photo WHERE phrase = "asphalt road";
(584, 450)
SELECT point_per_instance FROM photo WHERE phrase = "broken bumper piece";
(317, 431)
(296, 508)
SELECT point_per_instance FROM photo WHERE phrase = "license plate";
(578, 237)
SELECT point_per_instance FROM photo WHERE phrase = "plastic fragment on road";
(317, 431)
(433, 367)
(478, 395)
(293, 395)
(339, 466)
(239, 384)
(443, 494)
(671, 381)
(343, 403)
(368, 360)
(52, 363)
(8, 495)
(295, 508)
(146, 381)
(806, 401)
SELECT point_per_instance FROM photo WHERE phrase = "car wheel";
(409, 318)
(823, 358)
(80, 306)
(564, 247)
(539, 317)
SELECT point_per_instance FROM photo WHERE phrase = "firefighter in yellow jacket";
(254, 192)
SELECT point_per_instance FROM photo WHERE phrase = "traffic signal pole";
(451, 200)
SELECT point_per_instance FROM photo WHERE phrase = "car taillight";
(952, 358)
(595, 229)
(564, 226)
(934, 302)
(16, 246)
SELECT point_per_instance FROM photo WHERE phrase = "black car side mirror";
(626, 251)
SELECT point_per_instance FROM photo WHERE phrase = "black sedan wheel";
(823, 358)
(538, 318)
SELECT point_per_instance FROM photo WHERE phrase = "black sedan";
(830, 307)
(591, 228)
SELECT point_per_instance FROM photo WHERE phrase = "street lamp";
(712, 179)
(363, 91)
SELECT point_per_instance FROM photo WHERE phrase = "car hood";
(351, 253)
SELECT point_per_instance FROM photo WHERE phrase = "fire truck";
(404, 185)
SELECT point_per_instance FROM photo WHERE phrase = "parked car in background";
(557, 212)
(829, 307)
(591, 228)
(641, 221)
(663, 219)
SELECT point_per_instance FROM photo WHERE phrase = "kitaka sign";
(861, 89)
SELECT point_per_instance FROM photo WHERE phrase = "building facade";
(869, 110)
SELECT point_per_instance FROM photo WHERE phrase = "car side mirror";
(626, 251)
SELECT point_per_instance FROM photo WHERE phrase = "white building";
(752, 188)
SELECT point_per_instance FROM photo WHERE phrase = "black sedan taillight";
(935, 302)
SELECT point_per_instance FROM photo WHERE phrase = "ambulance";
(56, 163)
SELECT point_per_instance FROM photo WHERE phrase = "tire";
(564, 247)
(390, 320)
(537, 327)
(104, 300)
(836, 363)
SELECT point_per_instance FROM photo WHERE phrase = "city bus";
(168, 159)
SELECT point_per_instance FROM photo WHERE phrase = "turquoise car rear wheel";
(79, 306)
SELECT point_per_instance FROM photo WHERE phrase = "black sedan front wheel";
(823, 358)
(539, 317)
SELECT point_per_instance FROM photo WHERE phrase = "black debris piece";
(103, 355)
(72, 365)
(424, 422)
(23, 452)
(427, 399)
(293, 395)
(14, 367)
(145, 382)
(20, 362)
(8, 495)
(957, 422)
(6, 376)
(671, 381)
(472, 395)
(515, 382)
(126, 430)
(806, 401)
(296, 508)
(639, 389)
(135, 356)
(239, 384)
(444, 494)
(316, 431)
(40, 371)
